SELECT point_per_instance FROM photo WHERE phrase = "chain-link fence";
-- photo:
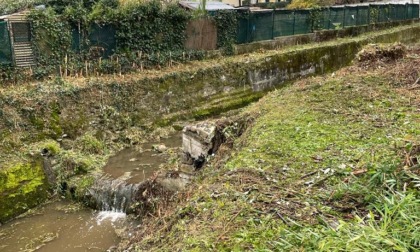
(5, 48)
(265, 25)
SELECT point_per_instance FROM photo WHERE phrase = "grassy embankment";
(330, 164)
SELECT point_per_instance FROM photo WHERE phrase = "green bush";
(159, 29)
(227, 23)
(89, 144)
(11, 6)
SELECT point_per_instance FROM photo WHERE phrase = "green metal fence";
(99, 40)
(283, 23)
(336, 18)
(103, 37)
(350, 16)
(257, 26)
(324, 21)
(413, 11)
(302, 23)
(5, 48)
(261, 26)
(363, 15)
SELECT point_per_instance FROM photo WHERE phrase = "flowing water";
(135, 166)
(124, 173)
(114, 195)
(66, 227)
(62, 226)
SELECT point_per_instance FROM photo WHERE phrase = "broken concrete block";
(199, 141)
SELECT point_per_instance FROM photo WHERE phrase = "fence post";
(272, 28)
(329, 18)
(368, 17)
(344, 16)
(294, 22)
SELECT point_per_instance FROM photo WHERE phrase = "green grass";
(393, 225)
(321, 169)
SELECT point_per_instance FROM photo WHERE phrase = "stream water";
(135, 166)
(62, 226)
(66, 227)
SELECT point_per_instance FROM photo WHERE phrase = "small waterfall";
(112, 216)
(112, 195)
(116, 197)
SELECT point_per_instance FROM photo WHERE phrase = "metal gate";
(21, 32)
(21, 43)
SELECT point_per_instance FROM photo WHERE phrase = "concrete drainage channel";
(204, 90)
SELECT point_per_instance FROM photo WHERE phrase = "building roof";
(15, 16)
(210, 5)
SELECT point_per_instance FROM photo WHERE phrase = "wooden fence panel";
(201, 35)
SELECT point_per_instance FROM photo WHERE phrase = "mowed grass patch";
(312, 141)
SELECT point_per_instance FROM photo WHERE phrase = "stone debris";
(160, 148)
(199, 141)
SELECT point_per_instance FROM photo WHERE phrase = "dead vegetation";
(374, 54)
(398, 62)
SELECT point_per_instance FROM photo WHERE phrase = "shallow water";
(135, 166)
(64, 227)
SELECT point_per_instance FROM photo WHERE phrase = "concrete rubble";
(199, 141)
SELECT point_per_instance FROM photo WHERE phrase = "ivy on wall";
(144, 35)
(151, 28)
(316, 17)
(227, 28)
(51, 39)
(148, 35)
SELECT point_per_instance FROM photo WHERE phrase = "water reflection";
(135, 166)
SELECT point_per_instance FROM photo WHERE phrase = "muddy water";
(64, 227)
(136, 165)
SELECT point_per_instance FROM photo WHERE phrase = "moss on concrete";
(22, 186)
